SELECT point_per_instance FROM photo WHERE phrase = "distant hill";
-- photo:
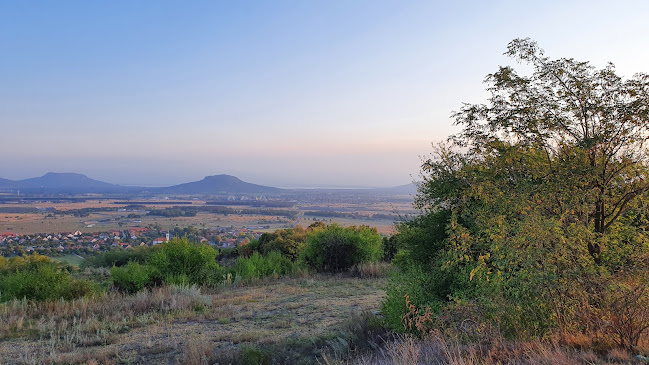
(7, 185)
(401, 189)
(54, 182)
(219, 184)
(6, 182)
(73, 183)
(60, 180)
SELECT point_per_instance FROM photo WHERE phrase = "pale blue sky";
(284, 93)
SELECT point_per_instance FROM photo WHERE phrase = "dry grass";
(58, 331)
(443, 342)
(372, 269)
(439, 350)
(198, 351)
(180, 324)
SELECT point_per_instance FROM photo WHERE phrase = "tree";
(591, 125)
(536, 209)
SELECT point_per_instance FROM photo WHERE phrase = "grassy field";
(295, 320)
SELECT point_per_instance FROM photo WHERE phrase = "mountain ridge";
(75, 183)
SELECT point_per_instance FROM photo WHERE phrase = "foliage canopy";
(537, 206)
(334, 248)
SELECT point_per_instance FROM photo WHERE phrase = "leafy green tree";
(584, 130)
(536, 207)
(390, 247)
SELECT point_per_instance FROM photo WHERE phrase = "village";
(85, 244)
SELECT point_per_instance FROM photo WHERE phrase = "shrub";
(132, 277)
(176, 262)
(78, 288)
(23, 262)
(117, 257)
(194, 263)
(258, 266)
(420, 267)
(338, 248)
(41, 281)
(418, 285)
(390, 247)
(289, 242)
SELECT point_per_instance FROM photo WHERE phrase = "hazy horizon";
(286, 186)
(279, 93)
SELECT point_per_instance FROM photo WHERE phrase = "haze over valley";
(363, 182)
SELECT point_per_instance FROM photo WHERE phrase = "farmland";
(98, 215)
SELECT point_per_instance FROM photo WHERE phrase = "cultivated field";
(118, 219)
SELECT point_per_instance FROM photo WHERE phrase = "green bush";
(131, 277)
(420, 265)
(338, 248)
(289, 242)
(42, 281)
(118, 257)
(534, 215)
(419, 286)
(77, 288)
(390, 248)
(258, 266)
(180, 258)
(177, 262)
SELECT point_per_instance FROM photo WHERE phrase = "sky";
(282, 93)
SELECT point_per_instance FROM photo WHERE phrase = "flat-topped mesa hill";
(55, 182)
(220, 184)
(73, 183)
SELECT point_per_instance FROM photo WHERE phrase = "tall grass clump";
(372, 269)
